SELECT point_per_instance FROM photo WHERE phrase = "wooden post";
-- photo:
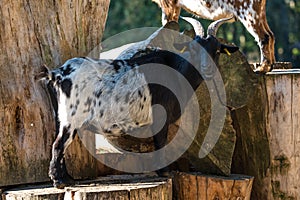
(268, 134)
(283, 128)
(203, 187)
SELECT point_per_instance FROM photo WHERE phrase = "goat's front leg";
(57, 170)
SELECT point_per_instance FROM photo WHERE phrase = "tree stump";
(194, 186)
(267, 135)
(283, 87)
(109, 188)
(34, 33)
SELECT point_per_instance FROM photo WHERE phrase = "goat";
(104, 93)
(251, 13)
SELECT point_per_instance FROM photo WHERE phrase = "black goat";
(114, 94)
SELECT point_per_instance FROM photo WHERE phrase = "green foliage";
(283, 18)
(128, 14)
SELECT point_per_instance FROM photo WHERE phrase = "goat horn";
(196, 25)
(213, 27)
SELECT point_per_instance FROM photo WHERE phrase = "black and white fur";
(114, 95)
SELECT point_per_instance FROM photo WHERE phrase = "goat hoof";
(163, 172)
(63, 181)
(60, 184)
(263, 68)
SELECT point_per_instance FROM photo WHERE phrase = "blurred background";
(283, 18)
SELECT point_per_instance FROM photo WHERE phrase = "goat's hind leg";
(170, 12)
(160, 140)
(271, 40)
(57, 170)
(265, 39)
(260, 30)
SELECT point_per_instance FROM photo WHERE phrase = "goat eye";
(198, 38)
(58, 77)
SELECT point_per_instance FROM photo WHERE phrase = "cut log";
(237, 77)
(34, 192)
(194, 186)
(268, 135)
(252, 152)
(110, 188)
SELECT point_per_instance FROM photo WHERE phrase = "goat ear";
(228, 49)
(181, 46)
(43, 73)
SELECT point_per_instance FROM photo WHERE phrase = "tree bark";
(34, 33)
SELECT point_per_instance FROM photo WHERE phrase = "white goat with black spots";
(251, 13)
(114, 96)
